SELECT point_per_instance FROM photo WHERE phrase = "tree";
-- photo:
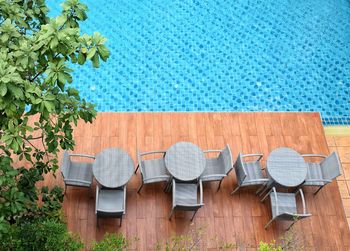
(35, 57)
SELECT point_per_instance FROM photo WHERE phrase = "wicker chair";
(284, 206)
(321, 173)
(152, 170)
(249, 173)
(110, 202)
(186, 197)
(218, 168)
(76, 173)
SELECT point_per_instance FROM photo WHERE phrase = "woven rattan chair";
(110, 202)
(186, 197)
(249, 173)
(76, 173)
(323, 172)
(152, 170)
(284, 206)
(218, 168)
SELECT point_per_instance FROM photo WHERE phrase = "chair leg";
(98, 223)
(136, 169)
(167, 187)
(138, 191)
(268, 224)
(235, 190)
(65, 189)
(291, 224)
(260, 189)
(171, 213)
(120, 222)
(264, 191)
(91, 192)
(194, 214)
(264, 198)
(219, 185)
(318, 190)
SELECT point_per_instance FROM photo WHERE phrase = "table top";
(113, 167)
(185, 161)
(286, 167)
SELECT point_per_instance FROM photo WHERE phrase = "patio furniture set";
(184, 167)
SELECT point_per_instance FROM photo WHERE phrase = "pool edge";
(337, 130)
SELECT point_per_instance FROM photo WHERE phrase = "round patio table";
(286, 167)
(185, 161)
(113, 167)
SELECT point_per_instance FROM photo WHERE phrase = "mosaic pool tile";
(221, 55)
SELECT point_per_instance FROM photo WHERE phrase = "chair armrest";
(214, 175)
(77, 180)
(96, 200)
(260, 155)
(157, 177)
(212, 151)
(276, 199)
(200, 192)
(81, 155)
(124, 206)
(314, 155)
(300, 191)
(174, 193)
(152, 152)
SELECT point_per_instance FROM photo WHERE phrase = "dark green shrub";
(38, 235)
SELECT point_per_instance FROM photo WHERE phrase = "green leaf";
(16, 91)
(95, 61)
(103, 52)
(81, 58)
(91, 53)
(3, 90)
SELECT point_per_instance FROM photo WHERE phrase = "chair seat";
(79, 171)
(254, 172)
(111, 201)
(186, 194)
(154, 170)
(314, 172)
(214, 166)
(286, 204)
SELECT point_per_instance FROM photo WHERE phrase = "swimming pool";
(221, 55)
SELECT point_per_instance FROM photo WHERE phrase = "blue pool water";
(220, 55)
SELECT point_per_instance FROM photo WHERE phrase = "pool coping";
(337, 130)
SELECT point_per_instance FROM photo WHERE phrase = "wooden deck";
(237, 219)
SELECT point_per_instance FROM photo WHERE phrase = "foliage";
(39, 234)
(35, 57)
(264, 246)
(111, 242)
(290, 240)
(190, 241)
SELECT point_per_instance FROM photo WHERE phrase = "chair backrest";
(65, 164)
(331, 167)
(226, 157)
(239, 169)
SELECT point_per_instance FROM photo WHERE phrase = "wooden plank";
(236, 219)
